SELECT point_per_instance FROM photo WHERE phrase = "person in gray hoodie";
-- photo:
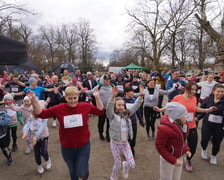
(105, 90)
(121, 130)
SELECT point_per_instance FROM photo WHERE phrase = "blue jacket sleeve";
(5, 119)
(169, 84)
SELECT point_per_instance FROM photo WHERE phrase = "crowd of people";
(119, 101)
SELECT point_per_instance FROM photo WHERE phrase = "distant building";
(115, 70)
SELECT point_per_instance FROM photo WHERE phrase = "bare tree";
(160, 22)
(87, 44)
(9, 12)
(139, 46)
(70, 44)
(217, 37)
(50, 42)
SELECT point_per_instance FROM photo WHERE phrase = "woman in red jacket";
(170, 141)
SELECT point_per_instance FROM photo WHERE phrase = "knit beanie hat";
(26, 98)
(175, 110)
(74, 79)
(8, 96)
(31, 80)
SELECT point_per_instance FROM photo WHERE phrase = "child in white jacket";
(39, 135)
(26, 110)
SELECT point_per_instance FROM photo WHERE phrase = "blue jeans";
(77, 160)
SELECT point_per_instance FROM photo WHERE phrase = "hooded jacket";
(4, 120)
(171, 140)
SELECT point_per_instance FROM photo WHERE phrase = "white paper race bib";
(72, 121)
(15, 89)
(190, 116)
(129, 105)
(134, 87)
(120, 87)
(215, 118)
(158, 86)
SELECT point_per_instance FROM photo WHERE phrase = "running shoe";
(188, 165)
(213, 160)
(204, 154)
(40, 169)
(124, 171)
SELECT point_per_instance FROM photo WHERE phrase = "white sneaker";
(54, 123)
(213, 160)
(125, 171)
(40, 169)
(113, 178)
(27, 150)
(48, 164)
(204, 154)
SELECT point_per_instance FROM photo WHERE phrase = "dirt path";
(101, 162)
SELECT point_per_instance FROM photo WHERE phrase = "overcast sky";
(106, 17)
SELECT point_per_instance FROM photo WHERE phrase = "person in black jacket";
(54, 97)
(90, 83)
(212, 125)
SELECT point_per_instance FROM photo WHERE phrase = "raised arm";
(36, 106)
(139, 100)
(99, 103)
(110, 106)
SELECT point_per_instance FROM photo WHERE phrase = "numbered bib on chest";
(134, 87)
(190, 116)
(15, 89)
(72, 121)
(120, 87)
(158, 86)
(129, 105)
(215, 119)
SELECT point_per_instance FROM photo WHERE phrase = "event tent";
(132, 66)
(12, 52)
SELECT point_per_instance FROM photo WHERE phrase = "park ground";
(101, 162)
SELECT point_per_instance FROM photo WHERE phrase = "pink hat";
(74, 79)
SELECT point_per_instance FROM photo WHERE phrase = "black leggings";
(41, 149)
(4, 147)
(133, 140)
(150, 118)
(101, 122)
(192, 141)
(14, 135)
(213, 130)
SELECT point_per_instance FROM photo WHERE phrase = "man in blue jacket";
(175, 79)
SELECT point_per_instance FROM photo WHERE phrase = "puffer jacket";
(171, 140)
(4, 120)
(115, 120)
